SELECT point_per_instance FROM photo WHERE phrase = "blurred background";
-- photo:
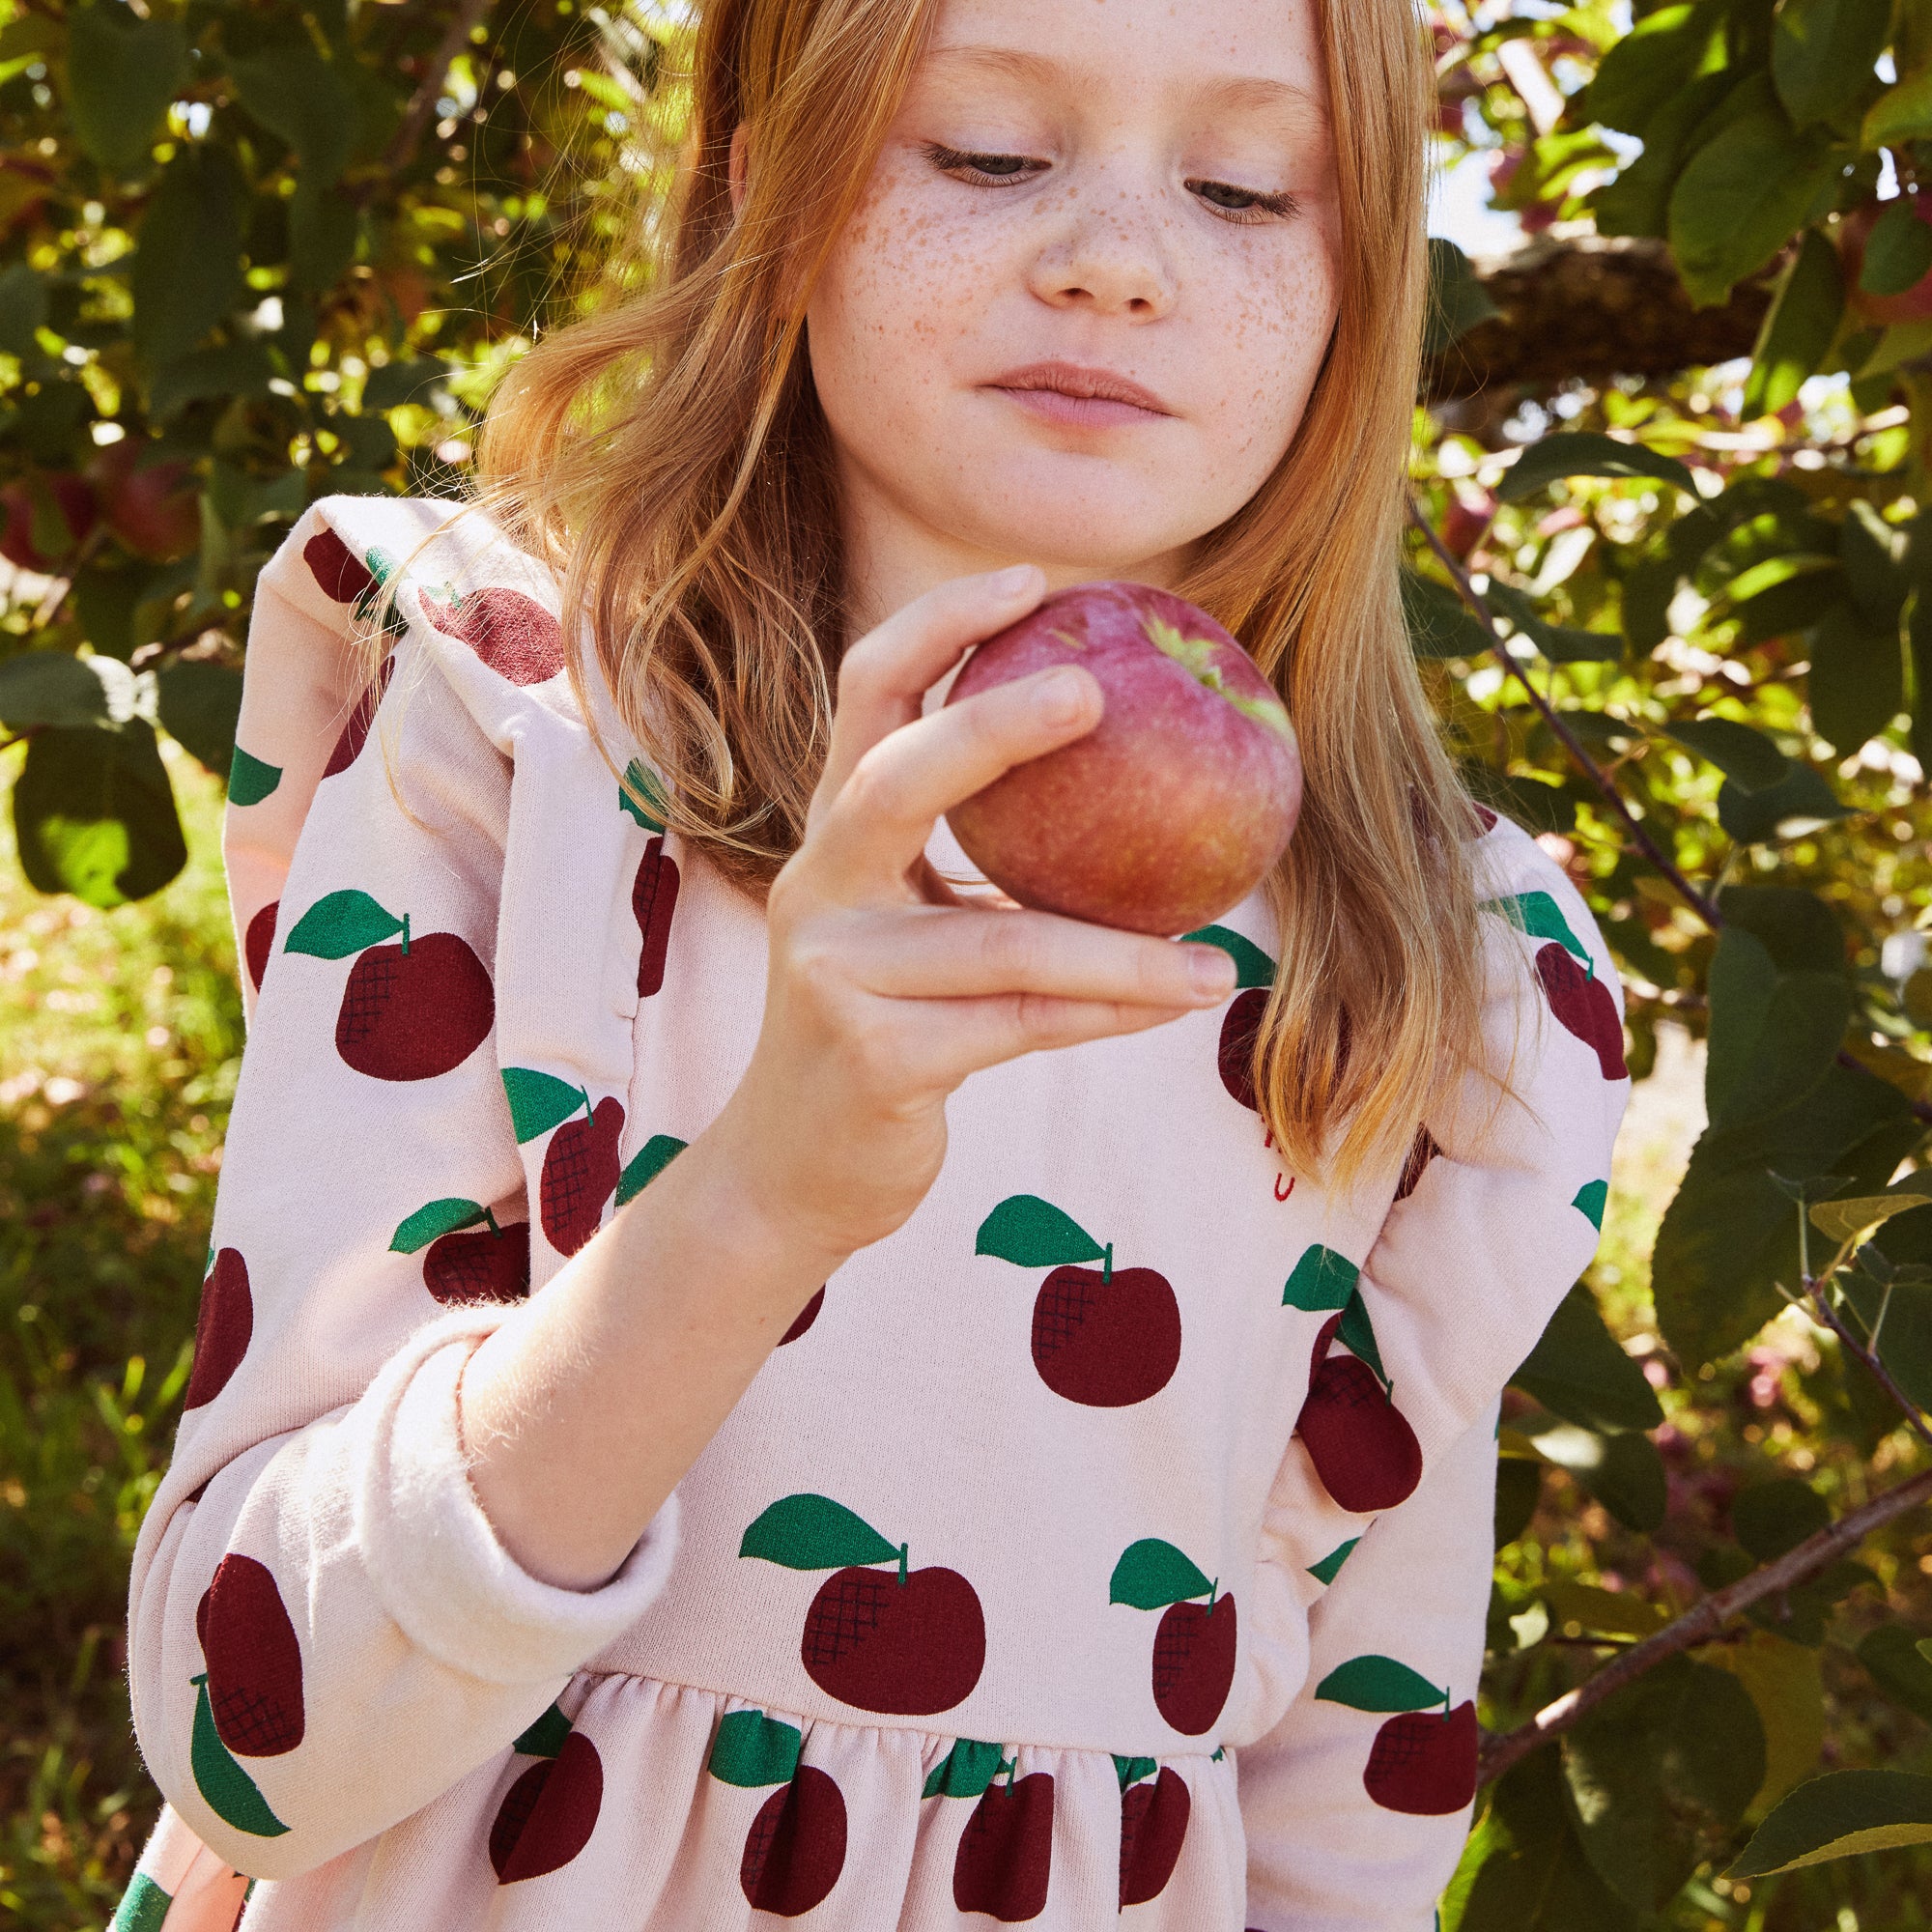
(1665, 589)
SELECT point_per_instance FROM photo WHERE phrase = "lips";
(1068, 392)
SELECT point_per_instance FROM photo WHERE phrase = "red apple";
(1005, 1859)
(547, 1815)
(153, 507)
(581, 1170)
(222, 1329)
(1105, 1337)
(653, 901)
(1424, 1762)
(342, 574)
(74, 506)
(1913, 304)
(1240, 1028)
(1360, 1443)
(356, 731)
(260, 941)
(796, 1847)
(1194, 1662)
(480, 1265)
(910, 1645)
(514, 634)
(804, 1319)
(254, 1662)
(1175, 807)
(415, 1009)
(1584, 1006)
(1153, 1827)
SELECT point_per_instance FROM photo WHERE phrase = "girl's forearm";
(584, 1410)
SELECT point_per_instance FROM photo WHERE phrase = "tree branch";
(403, 144)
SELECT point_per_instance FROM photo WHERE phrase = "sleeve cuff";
(433, 1558)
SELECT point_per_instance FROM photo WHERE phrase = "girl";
(698, 1414)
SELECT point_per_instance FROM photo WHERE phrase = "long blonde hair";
(667, 457)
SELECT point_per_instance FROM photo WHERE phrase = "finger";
(960, 1038)
(938, 952)
(877, 826)
(883, 678)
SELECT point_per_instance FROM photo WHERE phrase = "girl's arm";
(1356, 1802)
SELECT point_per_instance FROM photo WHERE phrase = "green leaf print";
(1151, 1574)
(1131, 1770)
(808, 1532)
(1357, 1335)
(966, 1769)
(1032, 1233)
(544, 1738)
(1330, 1566)
(433, 1220)
(227, 1790)
(540, 1101)
(1252, 966)
(752, 1749)
(1591, 1200)
(143, 1906)
(339, 924)
(1322, 1280)
(250, 780)
(1539, 916)
(1379, 1683)
(645, 1165)
(641, 794)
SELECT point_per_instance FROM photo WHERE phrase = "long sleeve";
(1355, 1800)
(325, 1633)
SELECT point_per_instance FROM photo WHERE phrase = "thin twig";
(403, 144)
(1835, 1322)
(1704, 1620)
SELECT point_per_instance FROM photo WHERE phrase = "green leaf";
(645, 1165)
(1379, 1683)
(1577, 1372)
(1900, 1667)
(966, 1769)
(1873, 555)
(1823, 53)
(1357, 1334)
(545, 1736)
(143, 1908)
(1900, 114)
(1848, 1218)
(1637, 201)
(1642, 71)
(195, 216)
(93, 814)
(415, 380)
(1518, 1490)
(1800, 804)
(1252, 966)
(1742, 196)
(1537, 915)
(1151, 1575)
(540, 1101)
(1773, 1516)
(1858, 676)
(1032, 1233)
(1744, 754)
(1898, 251)
(1330, 1566)
(1837, 1815)
(1798, 928)
(50, 688)
(226, 369)
(1782, 1679)
(199, 704)
(643, 784)
(1796, 1046)
(1560, 643)
(1905, 1337)
(752, 1749)
(1799, 328)
(122, 75)
(1592, 1198)
(1624, 1472)
(808, 1532)
(1586, 453)
(339, 924)
(297, 94)
(226, 1789)
(1131, 1770)
(1439, 623)
(249, 780)
(1610, 1612)
(1322, 1280)
(1533, 1876)
(23, 308)
(1458, 302)
(431, 1221)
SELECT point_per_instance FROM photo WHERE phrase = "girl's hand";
(884, 990)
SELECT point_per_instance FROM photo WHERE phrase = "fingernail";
(1062, 698)
(1011, 581)
(1212, 972)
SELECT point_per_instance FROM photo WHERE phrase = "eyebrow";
(1234, 91)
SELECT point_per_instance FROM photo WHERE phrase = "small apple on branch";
(1194, 1643)
(1423, 1761)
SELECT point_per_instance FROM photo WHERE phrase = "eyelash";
(971, 165)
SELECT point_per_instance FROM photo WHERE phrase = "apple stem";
(405, 935)
(491, 1218)
(589, 1112)
(1213, 1590)
(903, 1547)
(1107, 1264)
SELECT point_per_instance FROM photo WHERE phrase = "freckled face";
(1078, 313)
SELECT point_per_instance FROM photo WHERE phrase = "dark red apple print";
(1420, 1154)
(410, 1011)
(1005, 1860)
(1104, 1337)
(1361, 1444)
(1423, 1761)
(796, 1847)
(1154, 1827)
(547, 1815)
(653, 901)
(361, 716)
(471, 1257)
(581, 1170)
(1194, 1643)
(1486, 820)
(1584, 1006)
(901, 1640)
(222, 1329)
(254, 1662)
(514, 634)
(336, 568)
(1241, 1029)
(260, 941)
(803, 1320)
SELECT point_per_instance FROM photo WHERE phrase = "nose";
(1105, 251)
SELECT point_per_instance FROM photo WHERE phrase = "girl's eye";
(1243, 204)
(986, 169)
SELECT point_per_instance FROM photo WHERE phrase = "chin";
(1099, 525)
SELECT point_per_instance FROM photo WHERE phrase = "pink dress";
(1113, 1539)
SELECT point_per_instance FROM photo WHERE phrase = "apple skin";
(1106, 1343)
(1913, 304)
(1424, 1762)
(909, 1648)
(222, 1329)
(75, 503)
(1194, 1648)
(254, 1661)
(796, 1847)
(1005, 1861)
(479, 1265)
(1174, 807)
(154, 509)
(580, 1172)
(1584, 1006)
(412, 1015)
(514, 634)
(1153, 1827)
(547, 1815)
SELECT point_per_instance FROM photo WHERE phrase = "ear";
(740, 149)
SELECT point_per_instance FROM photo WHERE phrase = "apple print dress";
(1111, 1543)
